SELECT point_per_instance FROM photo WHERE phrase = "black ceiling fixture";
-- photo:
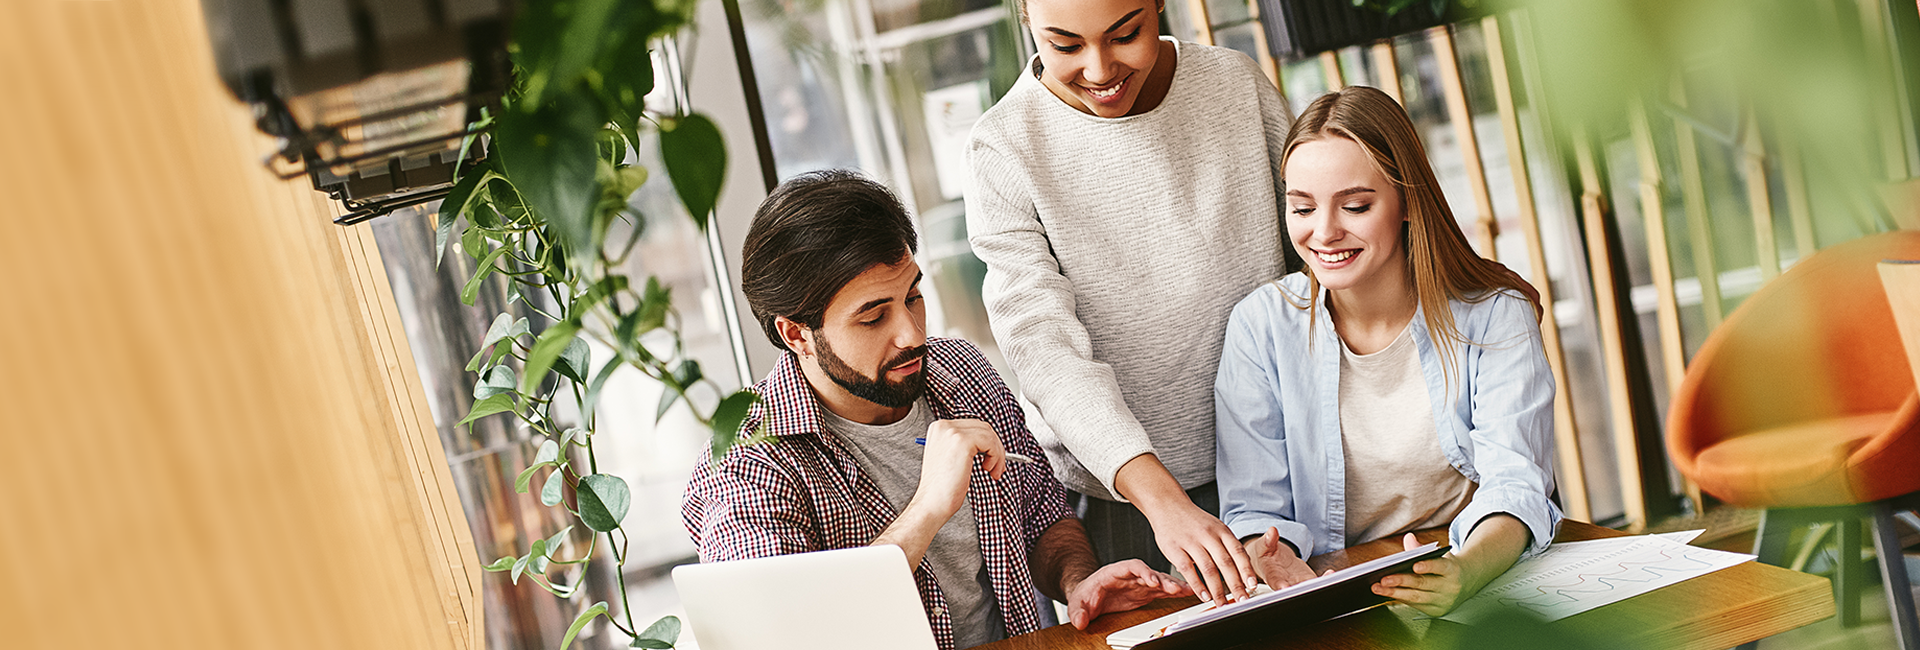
(371, 99)
(1297, 29)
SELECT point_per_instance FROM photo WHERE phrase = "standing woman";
(1397, 383)
(1125, 194)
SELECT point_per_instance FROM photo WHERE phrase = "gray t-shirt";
(889, 454)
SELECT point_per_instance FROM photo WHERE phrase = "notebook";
(850, 599)
(1209, 626)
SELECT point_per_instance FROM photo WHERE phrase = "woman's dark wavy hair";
(814, 234)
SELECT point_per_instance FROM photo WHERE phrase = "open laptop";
(849, 599)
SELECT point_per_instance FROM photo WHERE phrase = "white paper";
(1573, 577)
(950, 114)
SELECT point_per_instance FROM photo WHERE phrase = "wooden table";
(1712, 612)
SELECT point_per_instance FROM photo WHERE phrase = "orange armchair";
(1803, 403)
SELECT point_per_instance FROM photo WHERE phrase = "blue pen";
(1018, 458)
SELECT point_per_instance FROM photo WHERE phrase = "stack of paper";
(1573, 577)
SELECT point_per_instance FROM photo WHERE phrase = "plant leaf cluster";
(537, 208)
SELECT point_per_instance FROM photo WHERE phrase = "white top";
(1397, 478)
(1115, 249)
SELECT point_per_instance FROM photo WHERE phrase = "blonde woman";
(1397, 383)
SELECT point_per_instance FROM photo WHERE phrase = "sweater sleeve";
(1030, 307)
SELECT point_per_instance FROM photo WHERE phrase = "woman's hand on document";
(1276, 562)
(1438, 585)
(1119, 587)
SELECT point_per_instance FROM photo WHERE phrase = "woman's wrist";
(1151, 488)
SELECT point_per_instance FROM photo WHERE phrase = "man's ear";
(794, 335)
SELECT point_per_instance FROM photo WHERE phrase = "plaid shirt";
(803, 491)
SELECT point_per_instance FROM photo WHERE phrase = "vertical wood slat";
(1202, 22)
(1607, 314)
(432, 475)
(1880, 59)
(1753, 161)
(1799, 207)
(1387, 70)
(1693, 191)
(1462, 118)
(1573, 483)
(207, 362)
(1267, 64)
(1653, 214)
(1330, 68)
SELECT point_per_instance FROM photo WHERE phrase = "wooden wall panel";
(215, 437)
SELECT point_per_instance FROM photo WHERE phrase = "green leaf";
(603, 501)
(662, 634)
(650, 315)
(696, 159)
(474, 242)
(550, 154)
(451, 207)
(569, 435)
(727, 418)
(480, 273)
(629, 80)
(525, 478)
(599, 292)
(498, 380)
(554, 543)
(520, 566)
(545, 351)
(581, 621)
(551, 493)
(667, 399)
(501, 564)
(538, 563)
(549, 452)
(488, 406)
(574, 361)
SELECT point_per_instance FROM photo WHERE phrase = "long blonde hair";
(1443, 265)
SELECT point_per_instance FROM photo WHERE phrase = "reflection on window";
(892, 88)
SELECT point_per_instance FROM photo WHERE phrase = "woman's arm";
(1251, 463)
(1438, 585)
(1511, 422)
(1031, 308)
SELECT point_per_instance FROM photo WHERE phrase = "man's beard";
(879, 391)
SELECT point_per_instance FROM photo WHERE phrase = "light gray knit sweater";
(1115, 249)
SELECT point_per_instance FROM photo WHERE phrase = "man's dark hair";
(814, 234)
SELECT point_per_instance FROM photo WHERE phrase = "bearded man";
(880, 435)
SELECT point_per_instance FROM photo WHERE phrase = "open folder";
(1209, 626)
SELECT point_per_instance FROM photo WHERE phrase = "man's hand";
(1119, 587)
(1276, 562)
(947, 466)
(946, 469)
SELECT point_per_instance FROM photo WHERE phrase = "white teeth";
(1105, 93)
(1331, 258)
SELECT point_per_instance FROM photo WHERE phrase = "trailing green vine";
(536, 204)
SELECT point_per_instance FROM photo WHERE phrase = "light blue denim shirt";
(1278, 415)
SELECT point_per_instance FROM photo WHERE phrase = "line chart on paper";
(1575, 577)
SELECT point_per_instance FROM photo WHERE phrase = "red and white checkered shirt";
(803, 491)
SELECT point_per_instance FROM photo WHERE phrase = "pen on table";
(1018, 458)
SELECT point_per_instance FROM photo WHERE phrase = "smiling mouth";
(1108, 92)
(1335, 257)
